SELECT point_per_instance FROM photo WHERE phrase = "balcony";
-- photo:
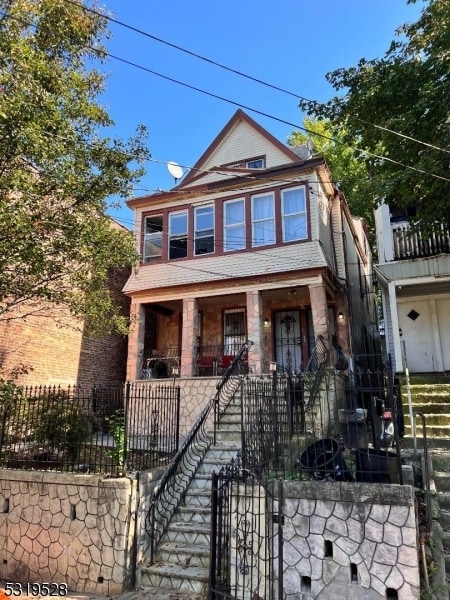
(408, 244)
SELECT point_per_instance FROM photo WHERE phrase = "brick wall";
(56, 354)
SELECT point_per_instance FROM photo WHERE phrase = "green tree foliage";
(349, 173)
(407, 91)
(57, 165)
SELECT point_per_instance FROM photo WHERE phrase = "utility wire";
(241, 73)
(246, 107)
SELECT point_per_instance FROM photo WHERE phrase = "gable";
(242, 139)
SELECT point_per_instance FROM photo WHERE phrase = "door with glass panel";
(288, 350)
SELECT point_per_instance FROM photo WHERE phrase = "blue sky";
(289, 43)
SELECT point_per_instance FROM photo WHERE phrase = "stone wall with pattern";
(353, 541)
(66, 528)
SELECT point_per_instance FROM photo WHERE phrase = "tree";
(397, 107)
(348, 172)
(57, 170)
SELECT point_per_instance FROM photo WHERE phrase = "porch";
(199, 337)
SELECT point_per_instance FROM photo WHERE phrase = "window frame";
(258, 159)
(147, 238)
(272, 218)
(285, 216)
(179, 236)
(240, 224)
(197, 230)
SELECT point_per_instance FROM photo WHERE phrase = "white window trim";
(272, 218)
(283, 215)
(171, 237)
(254, 160)
(233, 226)
(197, 231)
(145, 258)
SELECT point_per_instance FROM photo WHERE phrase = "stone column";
(319, 308)
(254, 331)
(189, 337)
(136, 341)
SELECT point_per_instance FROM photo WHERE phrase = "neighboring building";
(414, 275)
(55, 350)
(255, 242)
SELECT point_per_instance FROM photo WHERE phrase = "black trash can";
(324, 460)
(353, 427)
(376, 466)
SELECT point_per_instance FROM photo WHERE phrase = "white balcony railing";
(412, 244)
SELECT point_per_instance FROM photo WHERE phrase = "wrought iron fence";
(246, 536)
(108, 430)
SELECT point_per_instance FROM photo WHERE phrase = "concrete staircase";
(430, 395)
(181, 568)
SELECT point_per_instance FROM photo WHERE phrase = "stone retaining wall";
(65, 528)
(353, 541)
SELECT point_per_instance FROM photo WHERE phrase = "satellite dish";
(310, 145)
(175, 170)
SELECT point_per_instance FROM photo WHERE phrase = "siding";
(242, 142)
(325, 225)
(282, 259)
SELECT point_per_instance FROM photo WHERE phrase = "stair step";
(432, 420)
(201, 481)
(209, 465)
(432, 431)
(427, 408)
(187, 579)
(442, 481)
(183, 555)
(193, 514)
(158, 593)
(228, 435)
(198, 498)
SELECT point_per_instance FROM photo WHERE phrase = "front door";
(288, 350)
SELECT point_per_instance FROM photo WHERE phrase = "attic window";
(255, 163)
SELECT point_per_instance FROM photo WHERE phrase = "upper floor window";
(293, 210)
(263, 220)
(255, 163)
(234, 225)
(204, 230)
(178, 234)
(152, 238)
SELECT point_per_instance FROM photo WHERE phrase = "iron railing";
(170, 491)
(108, 430)
(161, 363)
(246, 558)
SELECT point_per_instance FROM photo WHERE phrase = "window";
(178, 227)
(152, 238)
(256, 163)
(263, 220)
(204, 230)
(234, 225)
(233, 331)
(293, 209)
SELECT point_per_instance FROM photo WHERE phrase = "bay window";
(293, 210)
(204, 230)
(263, 220)
(152, 248)
(234, 225)
(178, 234)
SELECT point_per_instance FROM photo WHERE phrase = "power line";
(249, 108)
(241, 73)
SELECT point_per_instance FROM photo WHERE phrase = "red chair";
(207, 365)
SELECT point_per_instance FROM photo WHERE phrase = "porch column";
(319, 309)
(254, 331)
(189, 336)
(396, 338)
(343, 329)
(136, 341)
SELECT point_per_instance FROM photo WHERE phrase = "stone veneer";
(371, 535)
(73, 529)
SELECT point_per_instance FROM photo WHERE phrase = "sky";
(291, 44)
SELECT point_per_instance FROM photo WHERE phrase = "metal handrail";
(172, 487)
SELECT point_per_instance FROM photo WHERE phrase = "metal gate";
(246, 536)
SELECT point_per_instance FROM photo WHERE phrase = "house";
(255, 243)
(414, 275)
(54, 347)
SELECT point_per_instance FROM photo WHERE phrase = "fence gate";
(246, 537)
